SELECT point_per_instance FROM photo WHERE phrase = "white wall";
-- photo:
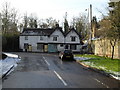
(32, 40)
(60, 48)
(60, 38)
(68, 37)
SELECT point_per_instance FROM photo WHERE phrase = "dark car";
(66, 55)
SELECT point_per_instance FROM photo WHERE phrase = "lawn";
(102, 63)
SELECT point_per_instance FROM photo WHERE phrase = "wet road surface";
(41, 70)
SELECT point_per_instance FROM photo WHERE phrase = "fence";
(103, 48)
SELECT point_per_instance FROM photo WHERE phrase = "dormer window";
(55, 38)
(73, 38)
(26, 37)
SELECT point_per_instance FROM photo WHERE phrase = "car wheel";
(59, 57)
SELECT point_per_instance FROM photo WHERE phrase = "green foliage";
(114, 17)
(108, 64)
(66, 26)
(10, 34)
(88, 55)
(110, 25)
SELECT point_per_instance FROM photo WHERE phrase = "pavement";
(42, 70)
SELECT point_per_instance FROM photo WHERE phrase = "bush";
(10, 42)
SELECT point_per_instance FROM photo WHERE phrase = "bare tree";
(48, 23)
(79, 23)
(9, 19)
(25, 20)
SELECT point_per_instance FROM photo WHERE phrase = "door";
(40, 47)
(26, 47)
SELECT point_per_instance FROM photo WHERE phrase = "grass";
(102, 63)
(88, 55)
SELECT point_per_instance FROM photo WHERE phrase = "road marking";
(101, 82)
(46, 61)
(60, 78)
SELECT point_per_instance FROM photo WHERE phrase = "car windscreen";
(67, 51)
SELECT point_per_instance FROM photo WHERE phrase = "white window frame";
(41, 38)
(73, 40)
(55, 38)
(26, 37)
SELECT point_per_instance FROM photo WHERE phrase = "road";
(41, 70)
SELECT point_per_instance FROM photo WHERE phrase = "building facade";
(49, 40)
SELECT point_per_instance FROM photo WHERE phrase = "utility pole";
(0, 35)
(90, 22)
(0, 24)
(89, 29)
(90, 37)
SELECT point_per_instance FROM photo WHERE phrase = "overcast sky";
(57, 8)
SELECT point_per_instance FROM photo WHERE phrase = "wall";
(60, 38)
(33, 40)
(68, 37)
(103, 48)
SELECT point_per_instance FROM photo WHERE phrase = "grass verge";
(102, 63)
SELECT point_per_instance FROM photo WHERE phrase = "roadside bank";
(99, 64)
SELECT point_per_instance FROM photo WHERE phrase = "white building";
(49, 40)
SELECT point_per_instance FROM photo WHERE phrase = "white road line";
(46, 61)
(101, 83)
(60, 78)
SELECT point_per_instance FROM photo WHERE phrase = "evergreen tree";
(110, 25)
(66, 26)
(114, 15)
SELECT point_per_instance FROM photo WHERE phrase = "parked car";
(66, 55)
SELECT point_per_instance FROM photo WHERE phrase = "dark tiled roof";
(37, 31)
(72, 29)
(45, 32)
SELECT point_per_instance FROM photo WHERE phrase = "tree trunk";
(113, 48)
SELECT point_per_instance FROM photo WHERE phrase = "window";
(41, 38)
(66, 46)
(73, 47)
(26, 45)
(61, 45)
(54, 38)
(26, 37)
(73, 38)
